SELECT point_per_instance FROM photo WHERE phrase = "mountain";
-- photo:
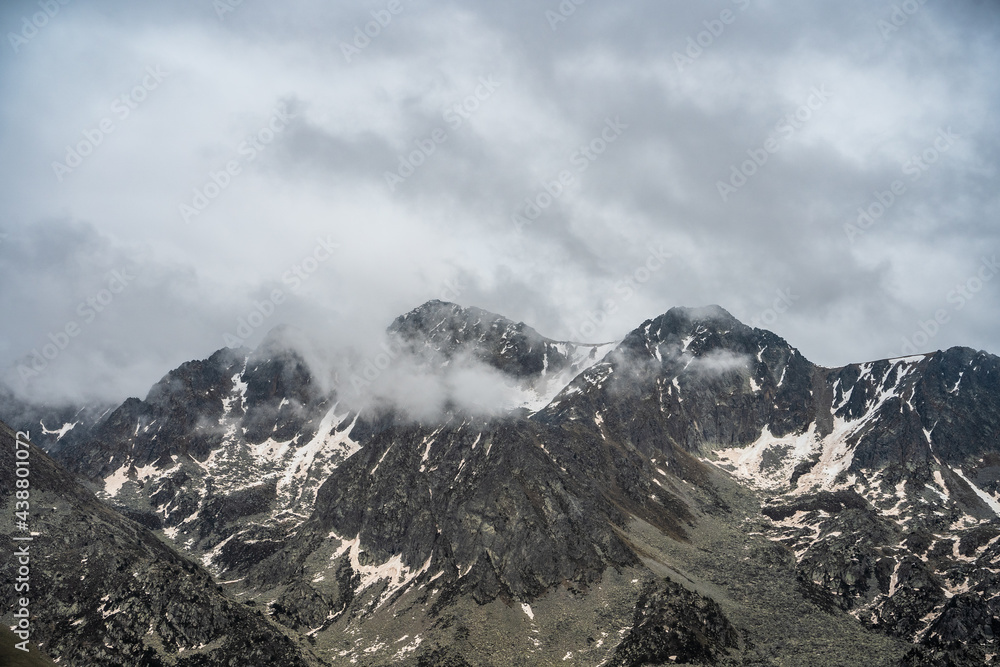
(104, 590)
(225, 455)
(881, 478)
(438, 333)
(697, 493)
(54, 426)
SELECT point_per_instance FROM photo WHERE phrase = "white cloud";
(450, 220)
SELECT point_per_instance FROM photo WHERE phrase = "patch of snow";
(990, 501)
(114, 482)
(320, 448)
(238, 393)
(900, 495)
(393, 570)
(835, 457)
(59, 432)
(428, 441)
(207, 559)
(382, 458)
(912, 359)
(747, 463)
(409, 648)
(939, 480)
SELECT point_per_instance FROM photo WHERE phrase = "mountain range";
(478, 494)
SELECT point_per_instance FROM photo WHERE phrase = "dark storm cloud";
(677, 153)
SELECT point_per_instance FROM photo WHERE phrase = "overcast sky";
(678, 153)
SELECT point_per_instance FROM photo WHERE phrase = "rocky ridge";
(604, 524)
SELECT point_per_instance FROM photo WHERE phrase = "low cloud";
(426, 389)
(717, 362)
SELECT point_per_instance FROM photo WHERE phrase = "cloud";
(425, 388)
(717, 362)
(446, 230)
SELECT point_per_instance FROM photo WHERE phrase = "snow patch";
(393, 570)
(114, 482)
(990, 501)
(59, 432)
(768, 462)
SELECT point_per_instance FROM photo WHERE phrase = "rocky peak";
(440, 331)
(879, 482)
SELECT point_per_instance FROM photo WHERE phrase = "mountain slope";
(225, 455)
(106, 591)
(881, 477)
(699, 492)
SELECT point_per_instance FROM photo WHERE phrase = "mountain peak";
(696, 330)
(710, 314)
(441, 311)
(442, 330)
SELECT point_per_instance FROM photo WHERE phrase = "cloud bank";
(829, 171)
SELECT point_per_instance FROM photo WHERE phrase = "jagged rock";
(873, 486)
(674, 625)
(104, 590)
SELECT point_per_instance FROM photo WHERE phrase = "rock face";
(105, 591)
(439, 331)
(698, 493)
(674, 625)
(53, 427)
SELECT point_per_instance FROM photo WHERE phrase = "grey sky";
(183, 86)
